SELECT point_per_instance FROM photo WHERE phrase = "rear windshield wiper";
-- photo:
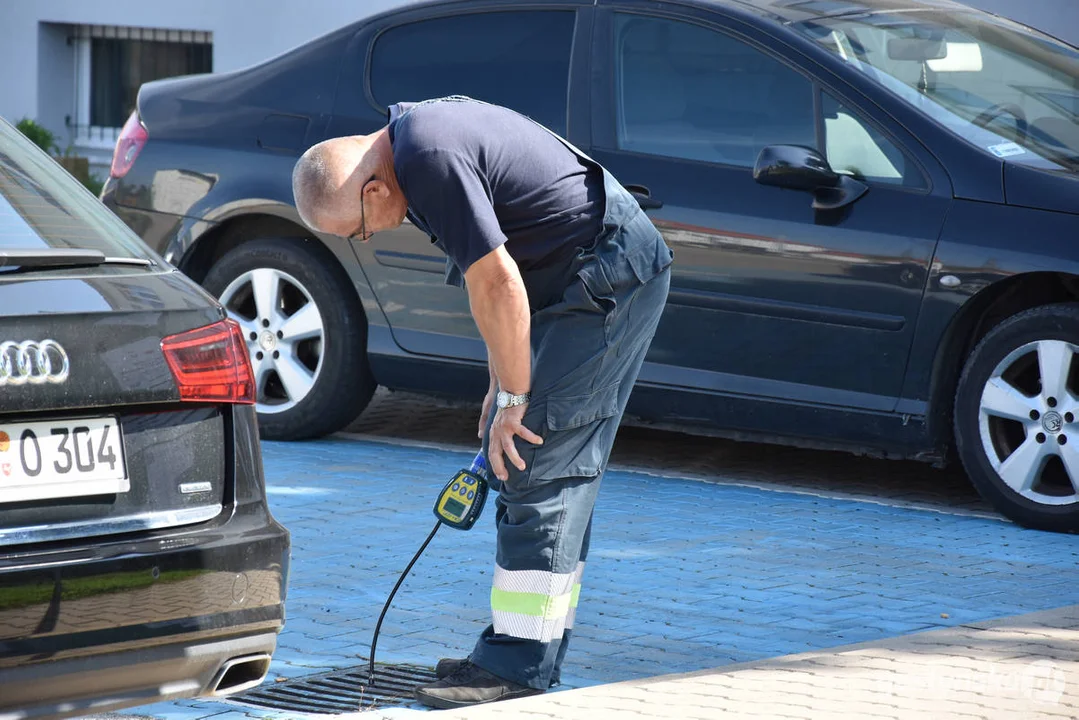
(37, 258)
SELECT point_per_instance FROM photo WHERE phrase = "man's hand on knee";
(507, 424)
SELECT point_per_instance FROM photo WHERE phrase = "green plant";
(94, 183)
(67, 157)
(38, 134)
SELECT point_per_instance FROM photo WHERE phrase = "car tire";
(306, 333)
(1016, 418)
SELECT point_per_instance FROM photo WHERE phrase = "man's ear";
(377, 189)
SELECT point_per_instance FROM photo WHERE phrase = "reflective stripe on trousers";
(534, 604)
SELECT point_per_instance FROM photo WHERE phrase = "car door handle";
(644, 198)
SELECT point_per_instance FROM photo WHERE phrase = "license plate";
(61, 459)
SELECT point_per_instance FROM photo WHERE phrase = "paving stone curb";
(1025, 666)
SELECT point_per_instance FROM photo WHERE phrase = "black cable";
(378, 626)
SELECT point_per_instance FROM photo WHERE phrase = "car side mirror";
(794, 167)
(800, 168)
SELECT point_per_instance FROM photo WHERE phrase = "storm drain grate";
(340, 691)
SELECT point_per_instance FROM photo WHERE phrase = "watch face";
(505, 399)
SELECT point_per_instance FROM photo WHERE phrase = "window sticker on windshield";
(1007, 149)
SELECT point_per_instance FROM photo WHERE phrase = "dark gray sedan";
(873, 206)
(138, 558)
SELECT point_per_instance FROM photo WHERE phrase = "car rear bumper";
(113, 621)
(163, 625)
(116, 680)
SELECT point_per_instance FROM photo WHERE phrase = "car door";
(769, 297)
(516, 57)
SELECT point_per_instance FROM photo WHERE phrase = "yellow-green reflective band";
(547, 607)
(575, 595)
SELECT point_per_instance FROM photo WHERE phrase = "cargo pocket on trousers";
(580, 432)
(587, 293)
(650, 259)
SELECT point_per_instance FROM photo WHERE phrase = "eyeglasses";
(363, 215)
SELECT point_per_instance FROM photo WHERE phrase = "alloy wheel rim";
(1027, 416)
(284, 332)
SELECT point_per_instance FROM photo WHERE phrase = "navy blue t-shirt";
(477, 176)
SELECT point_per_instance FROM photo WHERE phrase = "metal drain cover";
(340, 691)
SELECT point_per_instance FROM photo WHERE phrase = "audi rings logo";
(33, 362)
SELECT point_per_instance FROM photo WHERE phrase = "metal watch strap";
(510, 400)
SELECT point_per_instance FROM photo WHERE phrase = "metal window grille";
(112, 62)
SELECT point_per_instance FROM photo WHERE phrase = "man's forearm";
(500, 308)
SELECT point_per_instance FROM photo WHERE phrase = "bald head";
(322, 178)
(311, 184)
(328, 179)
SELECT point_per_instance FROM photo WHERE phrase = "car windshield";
(1008, 89)
(43, 206)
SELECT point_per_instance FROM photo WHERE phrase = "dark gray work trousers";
(588, 345)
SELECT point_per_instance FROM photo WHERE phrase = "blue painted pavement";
(682, 575)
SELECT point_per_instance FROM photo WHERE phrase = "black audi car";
(138, 558)
(873, 206)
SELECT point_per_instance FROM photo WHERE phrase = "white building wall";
(45, 90)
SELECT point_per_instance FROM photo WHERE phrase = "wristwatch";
(505, 399)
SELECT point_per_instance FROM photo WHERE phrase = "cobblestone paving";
(684, 575)
(409, 417)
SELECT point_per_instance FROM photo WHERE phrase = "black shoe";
(470, 685)
(448, 666)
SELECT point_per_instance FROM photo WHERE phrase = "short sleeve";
(454, 199)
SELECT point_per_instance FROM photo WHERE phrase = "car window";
(41, 205)
(519, 59)
(855, 147)
(1003, 87)
(685, 91)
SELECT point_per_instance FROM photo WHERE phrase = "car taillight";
(128, 145)
(211, 364)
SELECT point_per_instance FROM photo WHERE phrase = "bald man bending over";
(566, 280)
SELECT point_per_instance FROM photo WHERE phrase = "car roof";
(794, 11)
(779, 11)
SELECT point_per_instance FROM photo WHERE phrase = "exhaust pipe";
(239, 674)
